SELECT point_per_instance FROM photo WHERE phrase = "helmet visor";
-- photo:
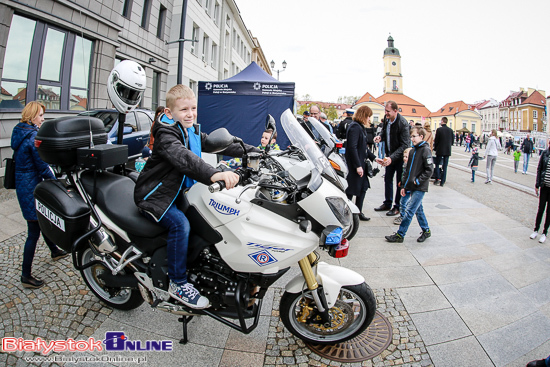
(127, 94)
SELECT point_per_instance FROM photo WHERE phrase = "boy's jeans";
(177, 242)
(516, 164)
(403, 203)
(414, 206)
(381, 149)
(473, 176)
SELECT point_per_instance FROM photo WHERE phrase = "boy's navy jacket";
(30, 169)
(171, 162)
(419, 168)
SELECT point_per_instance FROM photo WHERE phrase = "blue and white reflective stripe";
(152, 191)
(334, 237)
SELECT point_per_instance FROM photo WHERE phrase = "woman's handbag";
(9, 173)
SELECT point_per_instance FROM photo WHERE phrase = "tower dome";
(390, 50)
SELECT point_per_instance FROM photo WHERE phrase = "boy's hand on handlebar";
(231, 179)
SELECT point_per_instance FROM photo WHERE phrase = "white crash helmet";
(126, 85)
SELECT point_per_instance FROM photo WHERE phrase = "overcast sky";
(450, 50)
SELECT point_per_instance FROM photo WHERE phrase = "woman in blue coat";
(30, 170)
(357, 154)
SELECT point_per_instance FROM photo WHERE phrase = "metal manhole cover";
(370, 343)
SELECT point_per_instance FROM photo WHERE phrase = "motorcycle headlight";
(340, 209)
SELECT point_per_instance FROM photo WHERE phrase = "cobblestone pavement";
(406, 348)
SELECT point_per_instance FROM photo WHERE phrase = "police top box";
(57, 140)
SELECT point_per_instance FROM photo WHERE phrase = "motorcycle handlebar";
(216, 186)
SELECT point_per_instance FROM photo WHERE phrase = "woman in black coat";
(357, 153)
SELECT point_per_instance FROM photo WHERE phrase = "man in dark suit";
(395, 133)
(442, 145)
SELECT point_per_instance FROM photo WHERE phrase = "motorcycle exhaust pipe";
(103, 241)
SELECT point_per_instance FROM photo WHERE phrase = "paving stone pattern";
(63, 308)
(406, 348)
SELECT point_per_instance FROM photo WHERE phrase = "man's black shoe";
(59, 254)
(424, 235)
(394, 238)
(537, 363)
(364, 217)
(31, 282)
(393, 212)
(441, 185)
(436, 182)
(382, 207)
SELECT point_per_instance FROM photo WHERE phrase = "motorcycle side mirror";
(218, 140)
(270, 123)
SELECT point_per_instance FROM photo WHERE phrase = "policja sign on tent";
(241, 104)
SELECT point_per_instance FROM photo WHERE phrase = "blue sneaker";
(188, 295)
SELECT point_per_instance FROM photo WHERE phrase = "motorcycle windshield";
(300, 138)
(323, 132)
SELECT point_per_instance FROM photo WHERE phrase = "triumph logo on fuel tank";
(223, 209)
(49, 215)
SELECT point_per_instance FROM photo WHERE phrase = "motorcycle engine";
(216, 280)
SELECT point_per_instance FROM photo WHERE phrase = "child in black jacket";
(175, 164)
(474, 162)
(416, 182)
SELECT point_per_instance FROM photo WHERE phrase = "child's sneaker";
(424, 235)
(188, 295)
(533, 235)
(398, 220)
(542, 238)
(394, 238)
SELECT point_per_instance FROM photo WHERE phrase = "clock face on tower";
(393, 63)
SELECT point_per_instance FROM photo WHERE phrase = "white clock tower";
(393, 80)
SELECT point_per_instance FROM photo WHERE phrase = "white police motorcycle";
(242, 240)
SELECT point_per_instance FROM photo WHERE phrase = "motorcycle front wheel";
(351, 315)
(119, 298)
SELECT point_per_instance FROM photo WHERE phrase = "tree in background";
(348, 99)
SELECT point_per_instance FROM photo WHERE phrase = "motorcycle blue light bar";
(334, 237)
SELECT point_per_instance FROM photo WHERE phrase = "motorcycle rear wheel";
(351, 315)
(352, 230)
(124, 299)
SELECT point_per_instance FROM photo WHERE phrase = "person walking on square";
(474, 160)
(443, 144)
(542, 189)
(357, 153)
(467, 141)
(491, 154)
(527, 149)
(416, 182)
(395, 133)
(30, 170)
(517, 155)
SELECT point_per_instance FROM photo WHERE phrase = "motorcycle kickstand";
(184, 320)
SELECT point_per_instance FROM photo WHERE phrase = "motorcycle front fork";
(306, 265)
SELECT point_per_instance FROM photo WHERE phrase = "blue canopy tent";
(241, 104)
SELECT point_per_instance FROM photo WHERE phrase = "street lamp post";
(272, 63)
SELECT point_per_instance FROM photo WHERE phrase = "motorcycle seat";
(114, 195)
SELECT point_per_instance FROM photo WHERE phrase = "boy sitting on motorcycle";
(174, 165)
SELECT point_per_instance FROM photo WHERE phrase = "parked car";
(136, 128)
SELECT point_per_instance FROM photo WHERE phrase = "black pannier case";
(58, 139)
(63, 215)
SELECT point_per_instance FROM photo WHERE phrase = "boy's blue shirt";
(194, 143)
